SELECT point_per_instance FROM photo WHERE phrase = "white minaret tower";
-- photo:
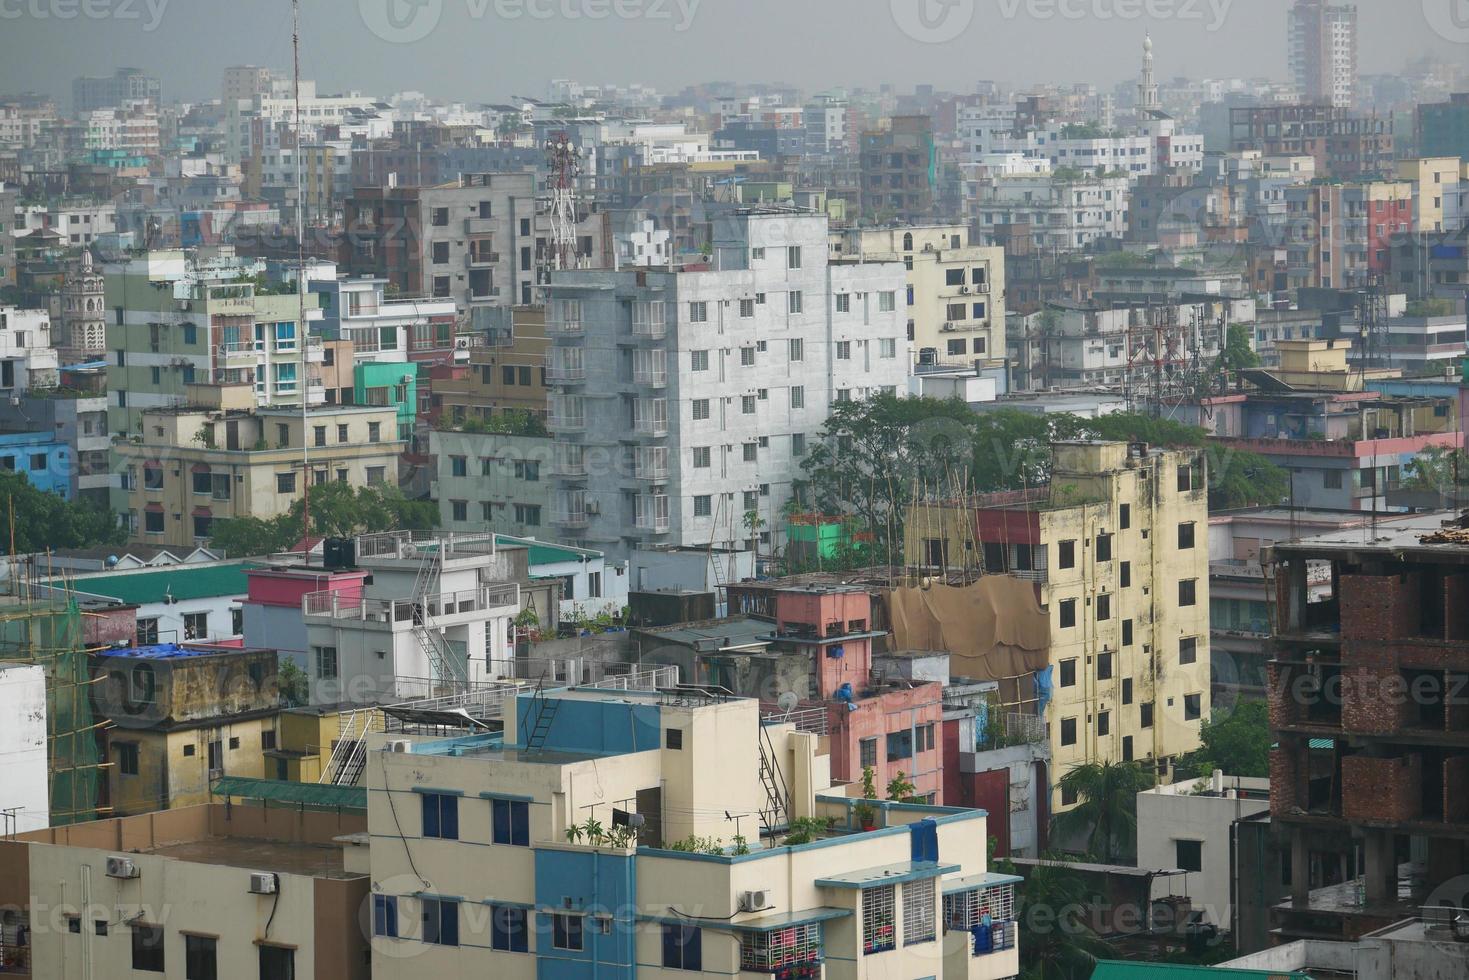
(1147, 88)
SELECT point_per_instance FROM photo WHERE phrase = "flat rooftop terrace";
(314, 860)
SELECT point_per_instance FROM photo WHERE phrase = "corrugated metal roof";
(285, 791)
(545, 553)
(181, 582)
(1137, 970)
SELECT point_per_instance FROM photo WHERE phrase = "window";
(216, 754)
(867, 752)
(798, 349)
(441, 816)
(701, 409)
(699, 312)
(441, 921)
(374, 432)
(900, 745)
(440, 253)
(267, 741)
(1145, 714)
(683, 948)
(277, 963)
(703, 505)
(1104, 723)
(528, 514)
(698, 360)
(196, 626)
(510, 822)
(1192, 706)
(201, 958)
(153, 521)
(1124, 575)
(1068, 731)
(1189, 855)
(1067, 613)
(1188, 591)
(751, 452)
(1185, 478)
(74, 924)
(1127, 690)
(566, 931)
(747, 356)
(1068, 673)
(1331, 479)
(1104, 666)
(458, 466)
(1124, 516)
(887, 348)
(844, 350)
(508, 932)
(793, 256)
(953, 277)
(376, 474)
(747, 309)
(1188, 650)
(325, 659)
(1104, 547)
(147, 947)
(1104, 607)
(1186, 536)
(1067, 555)
(673, 738)
(798, 396)
(793, 301)
(126, 756)
(747, 404)
(439, 217)
(1068, 795)
(844, 302)
(1127, 749)
(459, 510)
(879, 919)
(887, 301)
(798, 443)
(285, 483)
(919, 918)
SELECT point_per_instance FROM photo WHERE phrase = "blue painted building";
(41, 458)
(611, 834)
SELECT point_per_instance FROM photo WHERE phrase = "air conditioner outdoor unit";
(121, 867)
(462, 343)
(964, 290)
(948, 327)
(592, 507)
(400, 745)
(262, 883)
(754, 901)
(407, 379)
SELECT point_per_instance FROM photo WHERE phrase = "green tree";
(1057, 941)
(338, 510)
(1238, 355)
(239, 537)
(294, 685)
(1437, 468)
(38, 521)
(1244, 479)
(1105, 814)
(1238, 744)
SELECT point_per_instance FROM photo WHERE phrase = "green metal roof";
(182, 582)
(1140, 970)
(542, 553)
(285, 791)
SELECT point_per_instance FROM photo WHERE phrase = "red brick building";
(1369, 706)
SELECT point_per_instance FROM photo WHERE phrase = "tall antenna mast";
(302, 383)
(564, 162)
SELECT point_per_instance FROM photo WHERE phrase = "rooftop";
(315, 860)
(173, 651)
(1397, 539)
(546, 553)
(177, 582)
(731, 633)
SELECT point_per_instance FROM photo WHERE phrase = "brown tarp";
(993, 629)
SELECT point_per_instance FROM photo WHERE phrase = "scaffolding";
(48, 632)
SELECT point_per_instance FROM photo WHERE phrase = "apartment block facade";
(683, 401)
(1118, 548)
(1322, 51)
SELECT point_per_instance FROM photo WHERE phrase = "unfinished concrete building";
(1369, 705)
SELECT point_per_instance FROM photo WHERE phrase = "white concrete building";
(433, 618)
(25, 781)
(683, 401)
(1062, 214)
(1186, 825)
(591, 586)
(27, 359)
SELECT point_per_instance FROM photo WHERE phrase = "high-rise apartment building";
(1322, 39)
(1117, 547)
(683, 401)
(110, 91)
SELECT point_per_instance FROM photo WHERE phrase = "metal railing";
(813, 720)
(424, 544)
(409, 611)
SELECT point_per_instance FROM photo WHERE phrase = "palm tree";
(1106, 809)
(1057, 941)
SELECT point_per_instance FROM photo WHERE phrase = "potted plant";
(866, 815)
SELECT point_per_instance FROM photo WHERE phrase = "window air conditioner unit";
(262, 883)
(754, 901)
(121, 867)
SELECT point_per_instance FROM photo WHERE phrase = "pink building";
(272, 605)
(891, 726)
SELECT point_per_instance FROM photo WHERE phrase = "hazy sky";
(486, 50)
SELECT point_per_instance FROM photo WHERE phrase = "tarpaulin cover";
(993, 629)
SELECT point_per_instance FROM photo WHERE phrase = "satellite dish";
(788, 701)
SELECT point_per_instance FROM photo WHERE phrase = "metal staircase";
(442, 660)
(544, 714)
(349, 754)
(777, 809)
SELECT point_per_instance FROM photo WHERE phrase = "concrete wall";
(24, 782)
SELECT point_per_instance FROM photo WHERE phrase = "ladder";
(777, 809)
(545, 713)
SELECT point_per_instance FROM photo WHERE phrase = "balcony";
(479, 226)
(402, 614)
(560, 327)
(566, 366)
(240, 353)
(651, 466)
(570, 518)
(568, 465)
(476, 259)
(557, 422)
